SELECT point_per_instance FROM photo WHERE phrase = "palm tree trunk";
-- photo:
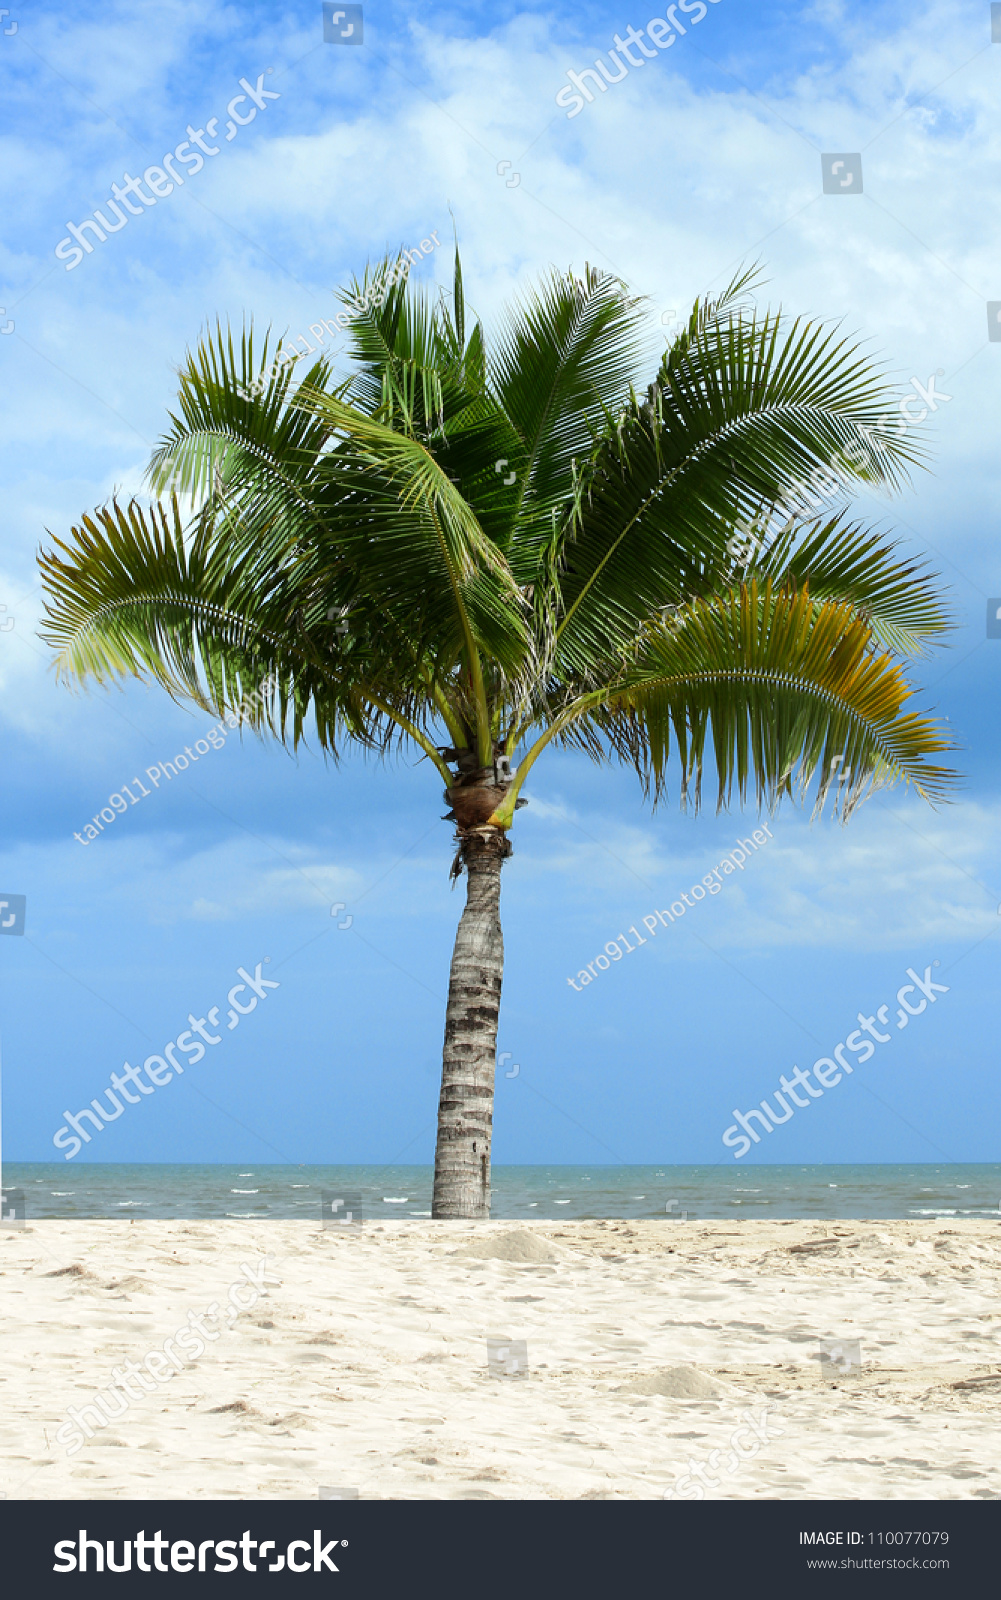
(469, 1058)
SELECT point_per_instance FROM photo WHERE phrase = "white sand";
(365, 1366)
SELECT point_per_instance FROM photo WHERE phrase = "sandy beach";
(659, 1354)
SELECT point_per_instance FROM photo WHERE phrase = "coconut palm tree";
(479, 552)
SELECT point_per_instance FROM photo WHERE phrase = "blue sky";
(707, 156)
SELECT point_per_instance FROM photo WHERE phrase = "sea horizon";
(552, 1191)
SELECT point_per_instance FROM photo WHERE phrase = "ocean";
(539, 1193)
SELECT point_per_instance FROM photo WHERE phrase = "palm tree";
(479, 553)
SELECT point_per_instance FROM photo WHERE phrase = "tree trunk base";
(469, 1057)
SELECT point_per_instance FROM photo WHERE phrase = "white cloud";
(898, 875)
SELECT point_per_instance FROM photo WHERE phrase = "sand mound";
(518, 1245)
(677, 1383)
(294, 1419)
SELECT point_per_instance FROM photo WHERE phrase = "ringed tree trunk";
(469, 1057)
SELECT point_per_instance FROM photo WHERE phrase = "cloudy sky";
(703, 157)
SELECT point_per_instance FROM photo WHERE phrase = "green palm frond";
(777, 683)
(561, 365)
(740, 413)
(131, 596)
(224, 431)
(427, 532)
(841, 560)
(477, 542)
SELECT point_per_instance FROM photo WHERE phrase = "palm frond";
(561, 365)
(491, 541)
(131, 596)
(842, 560)
(738, 415)
(777, 685)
